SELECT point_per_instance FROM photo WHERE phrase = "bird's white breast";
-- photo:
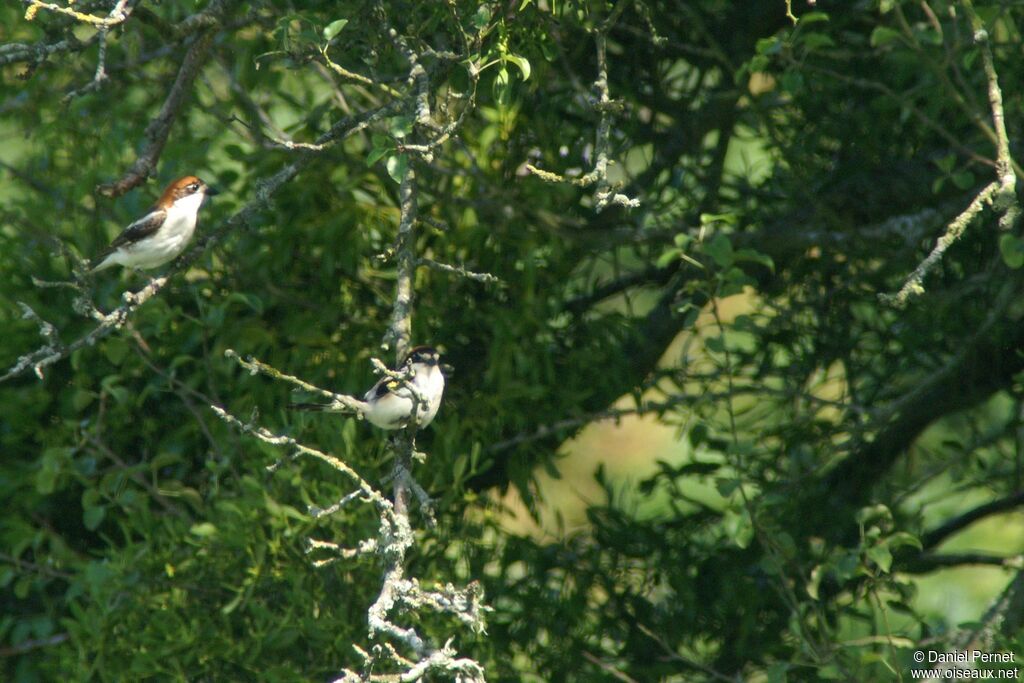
(170, 240)
(392, 410)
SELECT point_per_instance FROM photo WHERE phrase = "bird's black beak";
(211, 191)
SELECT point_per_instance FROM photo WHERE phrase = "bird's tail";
(314, 407)
(344, 404)
(102, 262)
(320, 407)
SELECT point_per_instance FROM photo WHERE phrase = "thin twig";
(1006, 201)
(459, 270)
(269, 437)
(53, 351)
(160, 127)
(605, 194)
(35, 644)
(117, 16)
(912, 286)
(951, 526)
(337, 401)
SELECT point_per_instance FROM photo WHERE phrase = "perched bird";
(388, 404)
(161, 234)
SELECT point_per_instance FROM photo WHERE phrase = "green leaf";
(812, 18)
(500, 89)
(334, 28)
(758, 63)
(777, 672)
(738, 528)
(401, 126)
(946, 163)
(93, 516)
(7, 575)
(250, 301)
(522, 62)
(482, 17)
(815, 40)
(668, 256)
(203, 530)
(719, 248)
(768, 46)
(397, 166)
(81, 399)
(831, 672)
(815, 582)
(903, 538)
(792, 81)
(1012, 249)
(882, 35)
(963, 179)
(881, 556)
(873, 513)
(377, 153)
(711, 218)
(52, 464)
(726, 486)
(845, 566)
(970, 56)
(115, 349)
(929, 36)
(753, 256)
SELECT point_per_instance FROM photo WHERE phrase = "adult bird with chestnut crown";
(163, 233)
(389, 403)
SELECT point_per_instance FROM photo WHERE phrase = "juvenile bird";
(161, 234)
(388, 404)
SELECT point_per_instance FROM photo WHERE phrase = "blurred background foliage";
(818, 485)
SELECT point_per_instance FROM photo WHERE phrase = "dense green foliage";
(825, 437)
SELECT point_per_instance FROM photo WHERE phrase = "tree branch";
(605, 194)
(338, 401)
(950, 527)
(954, 230)
(160, 127)
(929, 562)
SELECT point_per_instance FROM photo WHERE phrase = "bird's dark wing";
(385, 385)
(140, 229)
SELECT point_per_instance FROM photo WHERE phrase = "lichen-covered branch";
(1006, 201)
(605, 193)
(461, 271)
(38, 359)
(14, 53)
(397, 592)
(337, 401)
(400, 330)
(53, 351)
(912, 286)
(117, 16)
(1002, 193)
(266, 436)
